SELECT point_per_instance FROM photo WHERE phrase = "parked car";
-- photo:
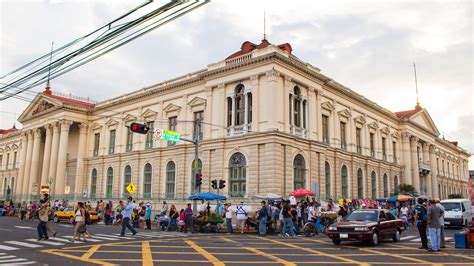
(368, 225)
(68, 213)
(458, 212)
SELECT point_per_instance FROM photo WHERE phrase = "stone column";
(319, 118)
(21, 170)
(245, 110)
(62, 157)
(34, 175)
(414, 163)
(433, 173)
(46, 156)
(53, 162)
(406, 158)
(426, 158)
(80, 158)
(26, 174)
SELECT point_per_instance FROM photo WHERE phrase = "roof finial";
(416, 86)
(49, 67)
(264, 26)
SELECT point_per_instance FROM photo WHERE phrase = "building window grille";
(110, 181)
(112, 142)
(327, 173)
(360, 184)
(170, 179)
(172, 124)
(325, 120)
(239, 105)
(238, 175)
(93, 183)
(149, 135)
(147, 178)
(299, 171)
(249, 107)
(373, 180)
(345, 182)
(198, 120)
(96, 143)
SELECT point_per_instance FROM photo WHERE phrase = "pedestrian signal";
(198, 180)
(221, 184)
(138, 128)
(214, 184)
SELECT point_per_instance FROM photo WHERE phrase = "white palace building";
(270, 123)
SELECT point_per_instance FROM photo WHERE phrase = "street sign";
(131, 188)
(67, 189)
(166, 135)
(84, 194)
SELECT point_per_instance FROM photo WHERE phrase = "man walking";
(441, 221)
(287, 220)
(262, 219)
(43, 219)
(148, 216)
(241, 217)
(434, 226)
(127, 216)
(228, 217)
(421, 220)
(188, 219)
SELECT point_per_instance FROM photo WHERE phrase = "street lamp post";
(50, 182)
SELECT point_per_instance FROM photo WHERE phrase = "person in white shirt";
(241, 213)
(311, 212)
(228, 217)
(441, 221)
(202, 207)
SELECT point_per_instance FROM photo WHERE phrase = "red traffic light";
(198, 180)
(138, 128)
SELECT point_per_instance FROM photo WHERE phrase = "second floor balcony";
(238, 130)
(424, 168)
(299, 131)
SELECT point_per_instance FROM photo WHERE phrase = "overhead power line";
(110, 37)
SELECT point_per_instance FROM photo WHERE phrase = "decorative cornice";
(328, 106)
(171, 107)
(345, 113)
(196, 101)
(360, 119)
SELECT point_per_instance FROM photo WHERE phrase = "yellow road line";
(90, 252)
(270, 256)
(146, 254)
(314, 251)
(77, 258)
(397, 256)
(230, 240)
(215, 261)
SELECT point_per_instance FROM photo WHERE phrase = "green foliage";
(406, 189)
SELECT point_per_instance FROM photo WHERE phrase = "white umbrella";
(268, 196)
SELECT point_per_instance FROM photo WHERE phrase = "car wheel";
(56, 219)
(396, 236)
(374, 240)
(336, 241)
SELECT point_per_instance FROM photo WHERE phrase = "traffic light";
(214, 184)
(198, 180)
(138, 128)
(221, 184)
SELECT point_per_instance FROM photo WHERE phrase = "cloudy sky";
(369, 46)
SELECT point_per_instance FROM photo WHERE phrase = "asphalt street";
(18, 245)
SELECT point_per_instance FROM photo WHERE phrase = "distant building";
(270, 123)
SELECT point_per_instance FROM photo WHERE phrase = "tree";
(455, 196)
(406, 189)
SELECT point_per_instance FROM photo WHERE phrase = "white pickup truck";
(458, 212)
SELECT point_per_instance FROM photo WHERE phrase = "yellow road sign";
(131, 188)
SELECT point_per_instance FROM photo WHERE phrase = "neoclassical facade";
(266, 122)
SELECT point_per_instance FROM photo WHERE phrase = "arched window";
(170, 179)
(360, 184)
(373, 183)
(385, 186)
(297, 107)
(395, 183)
(147, 172)
(93, 183)
(237, 175)
(239, 105)
(299, 172)
(110, 182)
(345, 182)
(327, 173)
(127, 178)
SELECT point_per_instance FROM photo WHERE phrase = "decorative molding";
(395, 135)
(345, 113)
(172, 107)
(385, 130)
(328, 106)
(197, 101)
(148, 113)
(111, 122)
(374, 125)
(360, 119)
(129, 117)
(272, 75)
(95, 126)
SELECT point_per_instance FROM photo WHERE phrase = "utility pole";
(196, 168)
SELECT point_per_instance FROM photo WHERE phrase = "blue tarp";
(207, 196)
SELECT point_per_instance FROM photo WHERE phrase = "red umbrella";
(302, 193)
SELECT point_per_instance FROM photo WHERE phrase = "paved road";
(18, 245)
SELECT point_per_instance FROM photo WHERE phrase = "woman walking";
(80, 227)
(43, 219)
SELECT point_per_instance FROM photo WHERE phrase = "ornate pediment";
(424, 120)
(171, 107)
(14, 147)
(95, 126)
(385, 130)
(196, 101)
(395, 135)
(42, 106)
(38, 106)
(374, 125)
(130, 117)
(111, 122)
(345, 113)
(148, 113)
(328, 106)
(360, 119)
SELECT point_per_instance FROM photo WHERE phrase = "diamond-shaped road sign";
(131, 188)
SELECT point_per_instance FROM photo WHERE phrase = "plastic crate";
(460, 240)
(470, 240)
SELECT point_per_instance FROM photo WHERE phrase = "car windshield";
(451, 206)
(362, 216)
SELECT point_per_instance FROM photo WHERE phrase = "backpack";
(87, 217)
